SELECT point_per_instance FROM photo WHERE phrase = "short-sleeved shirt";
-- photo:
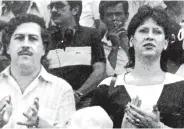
(90, 13)
(122, 58)
(75, 63)
(56, 99)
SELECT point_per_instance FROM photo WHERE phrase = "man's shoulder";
(88, 30)
(56, 81)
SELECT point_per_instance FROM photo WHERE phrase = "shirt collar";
(105, 41)
(43, 75)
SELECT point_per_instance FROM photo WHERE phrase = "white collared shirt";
(122, 58)
(56, 99)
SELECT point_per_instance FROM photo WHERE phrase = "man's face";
(26, 46)
(114, 16)
(60, 12)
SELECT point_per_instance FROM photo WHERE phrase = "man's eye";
(109, 15)
(19, 38)
(119, 13)
(32, 39)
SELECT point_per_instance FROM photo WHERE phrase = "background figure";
(12, 8)
(38, 98)
(114, 14)
(77, 53)
(176, 12)
(90, 13)
(148, 33)
(135, 4)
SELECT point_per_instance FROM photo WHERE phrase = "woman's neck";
(147, 67)
(146, 72)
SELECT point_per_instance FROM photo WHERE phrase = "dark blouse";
(170, 103)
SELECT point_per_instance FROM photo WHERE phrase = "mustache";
(25, 52)
(55, 14)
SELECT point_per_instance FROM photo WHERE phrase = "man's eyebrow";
(57, 3)
(19, 34)
(32, 35)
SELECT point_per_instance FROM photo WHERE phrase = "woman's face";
(149, 39)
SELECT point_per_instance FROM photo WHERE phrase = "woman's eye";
(143, 30)
(157, 32)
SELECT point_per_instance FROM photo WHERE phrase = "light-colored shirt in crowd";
(40, 10)
(122, 58)
(56, 99)
(135, 4)
(180, 71)
(90, 13)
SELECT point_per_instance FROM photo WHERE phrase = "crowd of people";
(95, 64)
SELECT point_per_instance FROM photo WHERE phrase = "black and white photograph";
(91, 64)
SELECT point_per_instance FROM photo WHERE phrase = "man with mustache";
(35, 97)
(114, 15)
(78, 56)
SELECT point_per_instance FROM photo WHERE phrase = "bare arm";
(94, 79)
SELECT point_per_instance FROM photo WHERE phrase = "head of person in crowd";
(113, 13)
(17, 7)
(26, 41)
(148, 34)
(66, 12)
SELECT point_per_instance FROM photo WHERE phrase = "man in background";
(77, 54)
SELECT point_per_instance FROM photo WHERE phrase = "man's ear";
(130, 42)
(75, 10)
(127, 15)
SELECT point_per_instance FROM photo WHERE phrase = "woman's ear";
(166, 44)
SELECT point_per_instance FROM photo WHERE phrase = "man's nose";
(114, 17)
(26, 42)
(25, 48)
(54, 9)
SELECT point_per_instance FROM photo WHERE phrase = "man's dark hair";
(160, 17)
(26, 18)
(73, 4)
(105, 4)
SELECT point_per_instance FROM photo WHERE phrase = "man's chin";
(25, 62)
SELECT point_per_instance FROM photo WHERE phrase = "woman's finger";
(28, 116)
(135, 116)
(138, 110)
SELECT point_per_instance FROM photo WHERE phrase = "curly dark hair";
(160, 17)
(26, 18)
(104, 4)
